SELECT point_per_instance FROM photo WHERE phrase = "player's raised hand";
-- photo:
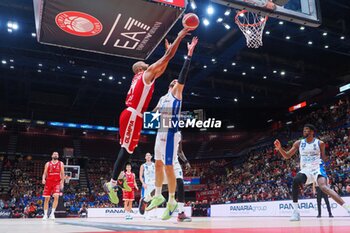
(277, 144)
(192, 45)
(167, 45)
(184, 32)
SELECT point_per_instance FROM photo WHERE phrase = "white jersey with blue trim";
(149, 173)
(310, 155)
(170, 108)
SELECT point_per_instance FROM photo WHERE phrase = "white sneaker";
(52, 217)
(44, 218)
(295, 217)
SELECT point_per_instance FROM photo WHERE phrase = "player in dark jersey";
(53, 179)
(137, 101)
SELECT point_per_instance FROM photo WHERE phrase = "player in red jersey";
(130, 121)
(129, 196)
(53, 178)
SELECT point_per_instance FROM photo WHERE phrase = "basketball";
(190, 21)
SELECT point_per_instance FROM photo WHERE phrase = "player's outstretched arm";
(182, 156)
(287, 154)
(135, 183)
(45, 173)
(323, 152)
(141, 176)
(179, 86)
(155, 70)
(62, 175)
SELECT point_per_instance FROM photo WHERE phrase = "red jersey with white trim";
(130, 178)
(140, 94)
(54, 171)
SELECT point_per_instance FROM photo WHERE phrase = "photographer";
(83, 212)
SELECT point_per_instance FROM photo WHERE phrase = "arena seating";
(262, 176)
(39, 143)
(4, 140)
(97, 147)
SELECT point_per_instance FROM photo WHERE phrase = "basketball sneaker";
(112, 194)
(183, 218)
(142, 206)
(52, 217)
(295, 217)
(169, 210)
(45, 218)
(123, 184)
(156, 201)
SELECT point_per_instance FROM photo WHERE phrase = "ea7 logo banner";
(127, 28)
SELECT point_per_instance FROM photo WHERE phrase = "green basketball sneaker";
(170, 209)
(112, 194)
(123, 184)
(156, 201)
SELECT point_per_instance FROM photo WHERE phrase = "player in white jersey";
(312, 167)
(148, 180)
(168, 138)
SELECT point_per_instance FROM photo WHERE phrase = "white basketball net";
(252, 25)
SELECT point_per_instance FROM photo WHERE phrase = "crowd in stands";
(266, 176)
(263, 176)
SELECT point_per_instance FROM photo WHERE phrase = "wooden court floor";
(198, 225)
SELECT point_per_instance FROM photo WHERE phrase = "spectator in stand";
(83, 212)
(30, 210)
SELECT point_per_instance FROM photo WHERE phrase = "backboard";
(73, 171)
(304, 12)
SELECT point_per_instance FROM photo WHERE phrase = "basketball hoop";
(252, 25)
(67, 179)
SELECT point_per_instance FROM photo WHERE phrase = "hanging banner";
(127, 28)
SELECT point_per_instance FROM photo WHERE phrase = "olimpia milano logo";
(78, 23)
(156, 120)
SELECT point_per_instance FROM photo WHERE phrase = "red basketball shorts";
(130, 125)
(128, 196)
(51, 188)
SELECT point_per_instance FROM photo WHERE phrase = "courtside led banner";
(307, 207)
(120, 212)
(295, 107)
(127, 28)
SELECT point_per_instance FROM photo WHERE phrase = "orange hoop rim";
(248, 24)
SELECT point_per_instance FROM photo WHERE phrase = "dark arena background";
(261, 73)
